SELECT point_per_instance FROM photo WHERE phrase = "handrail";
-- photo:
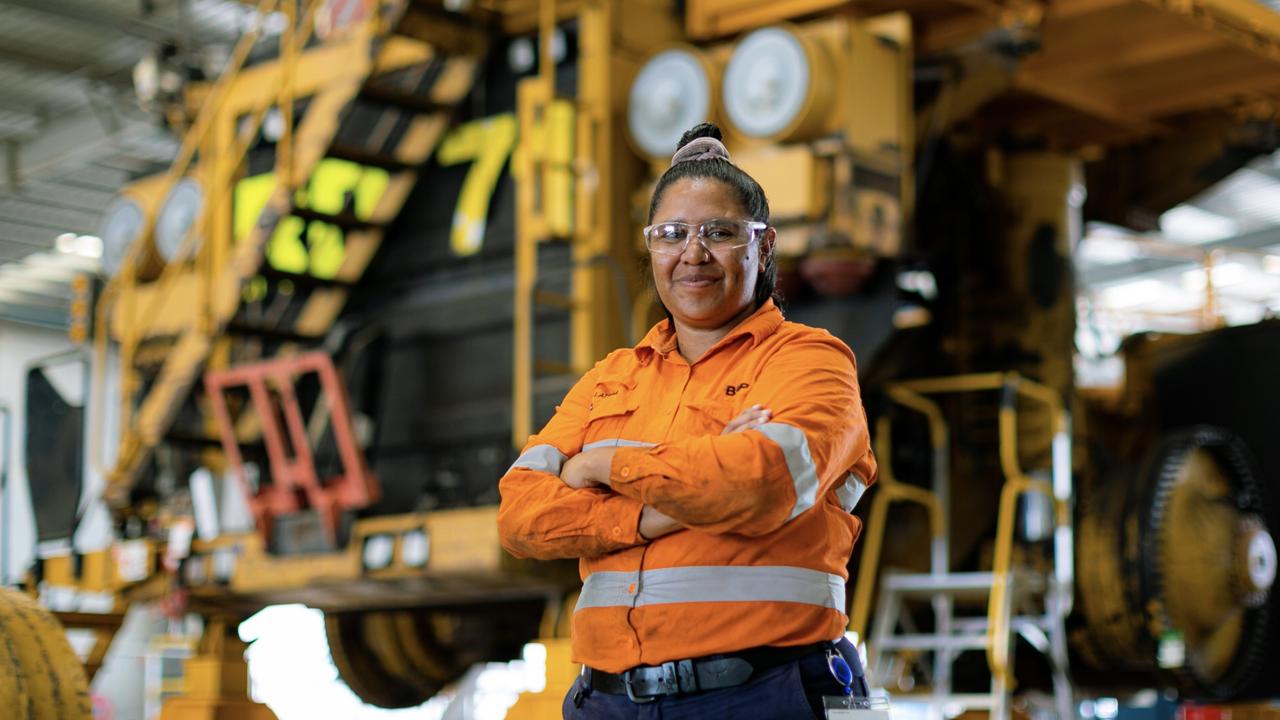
(910, 393)
(1016, 484)
(889, 490)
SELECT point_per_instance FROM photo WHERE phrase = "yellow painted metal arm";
(888, 491)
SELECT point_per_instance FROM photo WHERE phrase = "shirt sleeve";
(754, 482)
(541, 517)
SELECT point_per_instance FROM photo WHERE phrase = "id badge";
(848, 707)
(852, 708)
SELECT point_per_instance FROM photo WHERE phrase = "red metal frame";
(293, 475)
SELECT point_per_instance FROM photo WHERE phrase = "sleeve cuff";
(625, 470)
(626, 526)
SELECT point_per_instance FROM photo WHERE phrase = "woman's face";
(702, 289)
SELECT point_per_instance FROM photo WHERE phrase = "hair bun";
(701, 143)
(700, 130)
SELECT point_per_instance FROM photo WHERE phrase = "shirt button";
(625, 472)
(617, 531)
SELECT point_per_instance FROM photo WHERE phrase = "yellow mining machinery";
(396, 232)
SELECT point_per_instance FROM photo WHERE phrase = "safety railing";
(912, 394)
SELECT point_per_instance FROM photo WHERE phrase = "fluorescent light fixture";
(1271, 264)
(1133, 294)
(1106, 249)
(1190, 224)
(89, 246)
(1224, 275)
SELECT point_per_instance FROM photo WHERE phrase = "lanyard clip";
(840, 670)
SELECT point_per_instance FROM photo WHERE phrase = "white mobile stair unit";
(1020, 600)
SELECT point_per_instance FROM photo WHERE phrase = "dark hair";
(748, 191)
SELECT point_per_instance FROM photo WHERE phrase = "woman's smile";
(697, 280)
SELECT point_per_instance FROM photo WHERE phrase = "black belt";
(682, 677)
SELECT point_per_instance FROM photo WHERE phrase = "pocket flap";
(612, 397)
(716, 414)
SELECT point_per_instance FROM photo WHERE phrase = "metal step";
(965, 584)
(934, 642)
(344, 220)
(396, 98)
(272, 333)
(370, 158)
(971, 583)
(304, 280)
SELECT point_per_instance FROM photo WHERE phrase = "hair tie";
(703, 148)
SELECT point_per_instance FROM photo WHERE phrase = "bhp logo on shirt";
(734, 390)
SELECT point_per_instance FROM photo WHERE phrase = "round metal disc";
(121, 223)
(766, 83)
(179, 212)
(1207, 561)
(671, 94)
(1198, 539)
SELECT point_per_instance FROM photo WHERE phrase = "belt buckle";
(631, 695)
(668, 683)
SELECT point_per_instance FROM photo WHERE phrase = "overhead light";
(1133, 294)
(1271, 264)
(1106, 249)
(1190, 224)
(1224, 275)
(89, 246)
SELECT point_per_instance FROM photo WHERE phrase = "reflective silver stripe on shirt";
(804, 475)
(616, 442)
(713, 583)
(543, 458)
(851, 492)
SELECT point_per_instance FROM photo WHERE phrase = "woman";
(704, 477)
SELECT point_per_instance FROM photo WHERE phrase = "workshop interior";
(285, 285)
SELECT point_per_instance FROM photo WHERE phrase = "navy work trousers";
(791, 691)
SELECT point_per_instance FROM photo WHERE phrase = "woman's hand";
(588, 469)
(654, 523)
(752, 417)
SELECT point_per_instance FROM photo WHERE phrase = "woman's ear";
(766, 246)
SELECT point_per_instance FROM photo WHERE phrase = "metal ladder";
(1019, 601)
(564, 167)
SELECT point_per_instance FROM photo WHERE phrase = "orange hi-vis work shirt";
(767, 511)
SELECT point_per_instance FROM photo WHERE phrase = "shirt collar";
(758, 325)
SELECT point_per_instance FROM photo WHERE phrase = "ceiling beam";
(34, 238)
(39, 317)
(11, 251)
(1139, 267)
(80, 137)
(94, 16)
(22, 210)
(57, 194)
(63, 66)
(31, 293)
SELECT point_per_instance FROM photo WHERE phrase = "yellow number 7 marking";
(488, 143)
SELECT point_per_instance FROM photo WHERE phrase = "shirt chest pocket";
(613, 405)
(709, 417)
